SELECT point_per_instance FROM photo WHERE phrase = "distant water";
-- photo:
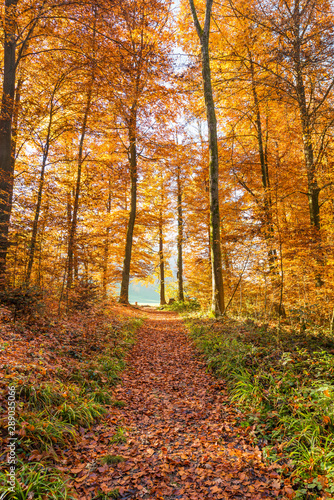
(143, 294)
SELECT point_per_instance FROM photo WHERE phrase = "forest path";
(180, 438)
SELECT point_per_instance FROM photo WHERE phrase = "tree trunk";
(124, 295)
(39, 197)
(217, 275)
(161, 259)
(73, 225)
(15, 122)
(179, 237)
(6, 116)
(313, 190)
(106, 246)
(267, 221)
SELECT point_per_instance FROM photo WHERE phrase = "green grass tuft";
(111, 459)
(118, 404)
(37, 482)
(119, 437)
(111, 494)
(285, 388)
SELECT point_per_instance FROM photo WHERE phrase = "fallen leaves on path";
(180, 437)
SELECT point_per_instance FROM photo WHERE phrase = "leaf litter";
(180, 440)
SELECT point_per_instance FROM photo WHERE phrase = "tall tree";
(81, 159)
(142, 51)
(161, 247)
(217, 274)
(179, 234)
(6, 116)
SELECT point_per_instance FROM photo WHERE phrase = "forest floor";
(176, 430)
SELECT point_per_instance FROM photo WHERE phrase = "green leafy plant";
(179, 306)
(83, 413)
(101, 396)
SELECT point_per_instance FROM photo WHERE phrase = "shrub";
(83, 296)
(188, 305)
(24, 302)
(81, 413)
(101, 396)
(111, 494)
(119, 437)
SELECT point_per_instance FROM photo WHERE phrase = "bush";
(188, 305)
(83, 296)
(23, 302)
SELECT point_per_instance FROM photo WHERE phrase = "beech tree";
(142, 56)
(217, 275)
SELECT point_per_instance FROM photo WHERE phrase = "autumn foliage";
(187, 145)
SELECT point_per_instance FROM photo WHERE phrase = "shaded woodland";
(187, 145)
(105, 150)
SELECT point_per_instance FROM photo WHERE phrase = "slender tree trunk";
(106, 245)
(40, 273)
(75, 265)
(313, 190)
(39, 197)
(73, 225)
(179, 237)
(15, 123)
(124, 295)
(331, 325)
(68, 215)
(267, 220)
(161, 259)
(6, 116)
(217, 275)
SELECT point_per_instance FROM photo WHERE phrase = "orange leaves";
(173, 412)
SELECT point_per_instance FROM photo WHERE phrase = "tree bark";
(15, 122)
(6, 117)
(179, 237)
(106, 246)
(124, 294)
(217, 275)
(161, 258)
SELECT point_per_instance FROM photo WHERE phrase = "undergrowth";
(284, 385)
(189, 305)
(33, 480)
(53, 404)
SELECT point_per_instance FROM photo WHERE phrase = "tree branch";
(196, 21)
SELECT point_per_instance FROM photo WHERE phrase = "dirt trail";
(181, 442)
